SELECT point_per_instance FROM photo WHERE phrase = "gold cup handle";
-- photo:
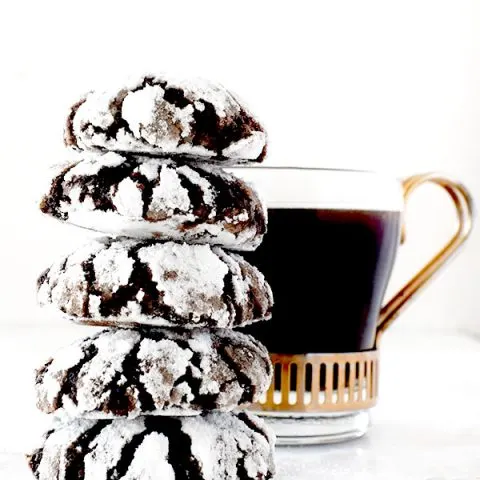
(464, 207)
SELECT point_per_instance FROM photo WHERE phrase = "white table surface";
(418, 432)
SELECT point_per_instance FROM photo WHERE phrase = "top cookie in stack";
(163, 116)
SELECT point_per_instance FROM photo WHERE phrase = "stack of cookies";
(151, 396)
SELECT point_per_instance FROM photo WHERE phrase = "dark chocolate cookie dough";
(212, 446)
(124, 372)
(128, 282)
(157, 198)
(163, 115)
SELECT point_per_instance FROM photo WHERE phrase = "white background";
(387, 85)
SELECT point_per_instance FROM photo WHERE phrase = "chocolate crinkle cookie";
(213, 446)
(125, 372)
(163, 115)
(157, 198)
(127, 282)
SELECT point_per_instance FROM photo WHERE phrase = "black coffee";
(328, 270)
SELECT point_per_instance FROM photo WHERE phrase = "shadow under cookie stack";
(151, 396)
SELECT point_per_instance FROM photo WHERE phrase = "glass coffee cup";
(329, 252)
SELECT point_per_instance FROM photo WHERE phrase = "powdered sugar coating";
(124, 372)
(130, 282)
(48, 461)
(154, 198)
(213, 446)
(164, 115)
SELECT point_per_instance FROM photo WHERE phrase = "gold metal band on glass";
(329, 382)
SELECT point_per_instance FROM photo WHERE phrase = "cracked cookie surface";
(157, 198)
(153, 371)
(163, 115)
(213, 446)
(127, 282)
